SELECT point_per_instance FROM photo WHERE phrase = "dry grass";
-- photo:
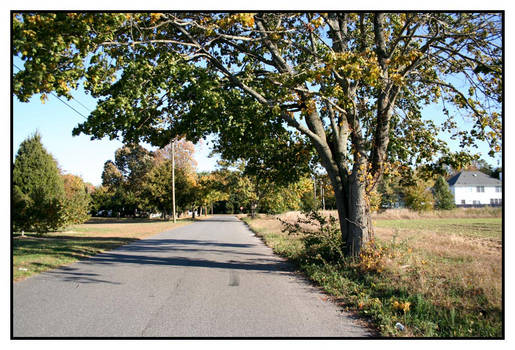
(121, 228)
(451, 259)
(486, 212)
(403, 213)
(443, 262)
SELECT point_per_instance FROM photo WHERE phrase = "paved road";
(212, 278)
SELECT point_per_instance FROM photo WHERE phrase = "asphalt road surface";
(212, 278)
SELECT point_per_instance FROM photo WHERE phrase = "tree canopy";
(351, 86)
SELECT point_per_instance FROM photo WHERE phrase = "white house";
(475, 188)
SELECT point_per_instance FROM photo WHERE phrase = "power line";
(76, 111)
(80, 103)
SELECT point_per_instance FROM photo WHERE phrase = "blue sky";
(76, 155)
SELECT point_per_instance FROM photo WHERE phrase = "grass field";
(438, 277)
(33, 254)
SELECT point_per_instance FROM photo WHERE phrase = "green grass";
(33, 254)
(37, 254)
(433, 277)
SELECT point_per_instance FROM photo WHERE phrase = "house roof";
(476, 178)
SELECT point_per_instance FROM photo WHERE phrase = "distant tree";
(213, 188)
(157, 188)
(124, 178)
(418, 196)
(482, 166)
(111, 176)
(184, 151)
(77, 200)
(286, 197)
(390, 188)
(133, 161)
(442, 195)
(38, 190)
(496, 173)
(100, 199)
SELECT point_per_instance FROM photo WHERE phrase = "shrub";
(372, 258)
(77, 200)
(320, 235)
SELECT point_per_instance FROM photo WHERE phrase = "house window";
(498, 189)
(462, 201)
(475, 202)
(480, 189)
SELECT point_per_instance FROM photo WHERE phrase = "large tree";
(351, 85)
(38, 189)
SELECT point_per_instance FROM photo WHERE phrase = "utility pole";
(322, 193)
(173, 179)
(315, 188)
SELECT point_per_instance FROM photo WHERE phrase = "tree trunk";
(353, 209)
(358, 220)
(354, 216)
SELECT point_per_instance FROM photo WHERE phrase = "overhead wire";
(73, 98)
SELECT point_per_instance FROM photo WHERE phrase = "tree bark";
(358, 220)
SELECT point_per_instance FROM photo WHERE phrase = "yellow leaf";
(154, 17)
(64, 86)
(406, 306)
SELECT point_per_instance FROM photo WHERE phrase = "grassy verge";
(438, 277)
(34, 254)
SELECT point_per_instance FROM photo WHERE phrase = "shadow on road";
(70, 274)
(152, 245)
(144, 253)
(250, 265)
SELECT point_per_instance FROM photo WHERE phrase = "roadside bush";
(372, 258)
(320, 235)
(77, 200)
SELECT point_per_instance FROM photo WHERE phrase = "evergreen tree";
(38, 190)
(443, 195)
